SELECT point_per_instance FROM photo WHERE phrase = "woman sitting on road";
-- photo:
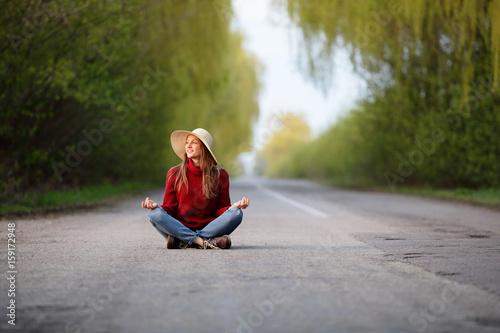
(196, 210)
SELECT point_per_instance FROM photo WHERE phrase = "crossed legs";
(222, 225)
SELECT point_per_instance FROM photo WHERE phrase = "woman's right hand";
(149, 204)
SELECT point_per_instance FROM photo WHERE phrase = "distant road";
(307, 258)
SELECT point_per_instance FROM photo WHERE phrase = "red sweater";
(190, 207)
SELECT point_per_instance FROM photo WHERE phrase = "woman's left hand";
(242, 204)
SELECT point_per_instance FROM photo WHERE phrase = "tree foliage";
(292, 134)
(91, 90)
(433, 71)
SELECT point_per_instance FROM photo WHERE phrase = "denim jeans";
(222, 225)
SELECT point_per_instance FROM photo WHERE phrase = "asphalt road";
(307, 258)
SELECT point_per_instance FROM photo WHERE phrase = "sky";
(272, 39)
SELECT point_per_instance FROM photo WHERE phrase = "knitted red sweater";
(191, 207)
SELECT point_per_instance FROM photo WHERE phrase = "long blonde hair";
(210, 174)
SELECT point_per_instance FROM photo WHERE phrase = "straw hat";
(178, 141)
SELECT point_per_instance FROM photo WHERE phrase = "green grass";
(484, 197)
(36, 203)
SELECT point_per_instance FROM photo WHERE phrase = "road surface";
(307, 258)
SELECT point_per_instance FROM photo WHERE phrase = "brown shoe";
(223, 242)
(173, 243)
(176, 243)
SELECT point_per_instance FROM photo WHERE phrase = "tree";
(91, 90)
(292, 135)
(429, 65)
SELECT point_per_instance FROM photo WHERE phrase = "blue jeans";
(222, 225)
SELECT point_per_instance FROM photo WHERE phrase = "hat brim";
(178, 141)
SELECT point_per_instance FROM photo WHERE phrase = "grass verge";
(483, 197)
(36, 203)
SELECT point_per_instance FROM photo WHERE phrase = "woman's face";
(193, 147)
